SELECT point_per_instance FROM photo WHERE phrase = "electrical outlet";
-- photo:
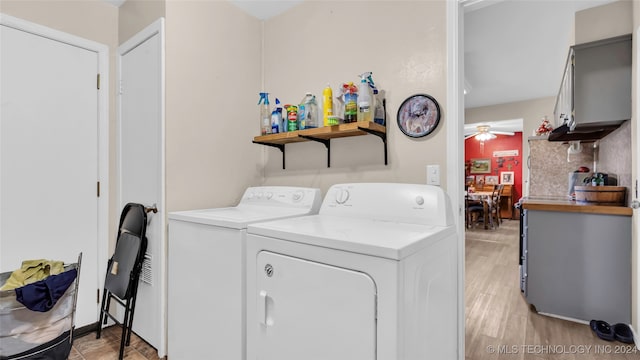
(433, 175)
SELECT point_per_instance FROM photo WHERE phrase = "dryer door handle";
(262, 307)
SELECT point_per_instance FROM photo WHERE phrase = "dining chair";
(494, 205)
(474, 211)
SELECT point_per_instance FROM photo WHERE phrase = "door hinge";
(98, 81)
(98, 296)
(98, 188)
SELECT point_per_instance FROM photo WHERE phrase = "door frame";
(455, 146)
(155, 28)
(103, 125)
(635, 179)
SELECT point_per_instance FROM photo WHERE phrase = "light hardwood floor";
(500, 324)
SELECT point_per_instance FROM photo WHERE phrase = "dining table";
(485, 198)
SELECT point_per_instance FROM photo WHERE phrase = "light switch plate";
(433, 175)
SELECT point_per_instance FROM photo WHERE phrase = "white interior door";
(49, 158)
(141, 168)
(308, 310)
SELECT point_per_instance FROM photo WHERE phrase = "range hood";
(595, 92)
(586, 132)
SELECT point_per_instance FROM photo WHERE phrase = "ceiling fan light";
(485, 136)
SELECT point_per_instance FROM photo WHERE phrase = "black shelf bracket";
(382, 136)
(326, 142)
(279, 146)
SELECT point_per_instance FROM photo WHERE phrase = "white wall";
(213, 53)
(603, 22)
(317, 42)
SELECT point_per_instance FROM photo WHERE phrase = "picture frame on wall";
(479, 179)
(491, 180)
(470, 180)
(480, 166)
(506, 177)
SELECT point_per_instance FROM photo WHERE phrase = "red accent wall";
(472, 150)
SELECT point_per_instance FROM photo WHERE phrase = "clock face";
(418, 115)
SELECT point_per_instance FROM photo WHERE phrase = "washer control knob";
(419, 200)
(269, 195)
(342, 196)
(259, 195)
(297, 196)
(250, 196)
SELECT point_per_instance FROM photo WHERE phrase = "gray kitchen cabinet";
(578, 265)
(595, 91)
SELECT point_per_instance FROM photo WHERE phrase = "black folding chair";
(123, 270)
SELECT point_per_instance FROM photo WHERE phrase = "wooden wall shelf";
(324, 135)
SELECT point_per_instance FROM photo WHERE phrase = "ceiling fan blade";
(472, 135)
(502, 132)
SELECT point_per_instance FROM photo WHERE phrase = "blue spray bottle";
(265, 114)
(276, 119)
(379, 112)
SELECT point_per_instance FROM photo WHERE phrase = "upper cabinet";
(595, 93)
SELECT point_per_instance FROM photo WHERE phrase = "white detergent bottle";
(364, 99)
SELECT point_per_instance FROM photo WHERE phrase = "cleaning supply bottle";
(302, 116)
(327, 105)
(310, 109)
(364, 99)
(379, 114)
(350, 102)
(338, 109)
(265, 114)
(276, 119)
(292, 117)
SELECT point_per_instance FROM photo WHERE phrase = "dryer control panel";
(406, 203)
(285, 196)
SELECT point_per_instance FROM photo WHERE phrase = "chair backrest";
(497, 192)
(133, 219)
(126, 263)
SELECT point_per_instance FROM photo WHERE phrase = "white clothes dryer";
(206, 270)
(372, 276)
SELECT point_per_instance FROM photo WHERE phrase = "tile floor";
(108, 347)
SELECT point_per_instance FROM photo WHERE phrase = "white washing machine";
(206, 270)
(372, 276)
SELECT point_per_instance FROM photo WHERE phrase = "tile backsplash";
(548, 166)
(549, 169)
(615, 156)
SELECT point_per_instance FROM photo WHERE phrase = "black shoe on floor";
(602, 329)
(623, 333)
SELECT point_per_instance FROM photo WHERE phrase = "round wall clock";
(418, 115)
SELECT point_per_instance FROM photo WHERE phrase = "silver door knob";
(635, 204)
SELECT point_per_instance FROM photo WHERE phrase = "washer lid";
(237, 217)
(392, 240)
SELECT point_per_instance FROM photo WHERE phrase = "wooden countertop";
(573, 206)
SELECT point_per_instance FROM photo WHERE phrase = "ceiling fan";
(484, 133)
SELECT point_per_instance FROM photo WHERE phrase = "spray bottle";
(379, 112)
(276, 119)
(265, 114)
(364, 99)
